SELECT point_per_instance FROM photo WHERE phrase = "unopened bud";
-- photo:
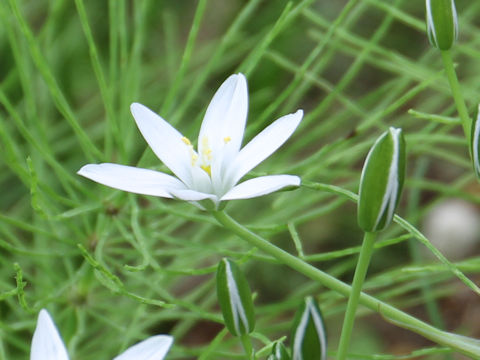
(381, 182)
(235, 298)
(475, 143)
(309, 338)
(279, 352)
(442, 23)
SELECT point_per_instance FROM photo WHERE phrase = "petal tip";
(299, 113)
(241, 77)
(135, 107)
(237, 80)
(296, 180)
(81, 171)
(46, 341)
(84, 170)
(166, 339)
(44, 315)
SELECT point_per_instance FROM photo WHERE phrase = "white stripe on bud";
(309, 336)
(381, 181)
(279, 352)
(442, 23)
(235, 298)
(474, 143)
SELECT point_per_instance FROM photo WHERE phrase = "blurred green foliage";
(106, 263)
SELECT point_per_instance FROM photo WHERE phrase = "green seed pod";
(235, 298)
(309, 338)
(442, 23)
(279, 352)
(381, 182)
(474, 143)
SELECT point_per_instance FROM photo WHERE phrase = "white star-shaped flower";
(215, 168)
(48, 345)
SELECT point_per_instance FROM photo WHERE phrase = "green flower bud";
(381, 182)
(474, 143)
(279, 352)
(309, 338)
(442, 23)
(235, 298)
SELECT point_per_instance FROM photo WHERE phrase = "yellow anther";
(227, 139)
(207, 169)
(194, 158)
(186, 141)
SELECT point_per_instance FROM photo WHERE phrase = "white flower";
(48, 345)
(214, 170)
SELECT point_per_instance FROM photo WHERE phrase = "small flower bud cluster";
(309, 339)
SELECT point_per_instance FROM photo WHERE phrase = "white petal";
(260, 186)
(167, 143)
(201, 180)
(192, 195)
(223, 126)
(154, 348)
(224, 121)
(47, 343)
(132, 179)
(263, 145)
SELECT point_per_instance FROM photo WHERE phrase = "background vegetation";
(108, 265)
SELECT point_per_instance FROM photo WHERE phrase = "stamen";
(227, 139)
(208, 154)
(205, 142)
(193, 156)
(207, 169)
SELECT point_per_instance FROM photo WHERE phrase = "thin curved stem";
(456, 92)
(464, 345)
(247, 346)
(358, 279)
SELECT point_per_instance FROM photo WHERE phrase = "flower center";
(206, 155)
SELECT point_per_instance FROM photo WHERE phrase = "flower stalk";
(456, 92)
(248, 347)
(463, 345)
(381, 185)
(360, 273)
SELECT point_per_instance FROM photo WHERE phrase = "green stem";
(360, 273)
(465, 346)
(456, 92)
(247, 346)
